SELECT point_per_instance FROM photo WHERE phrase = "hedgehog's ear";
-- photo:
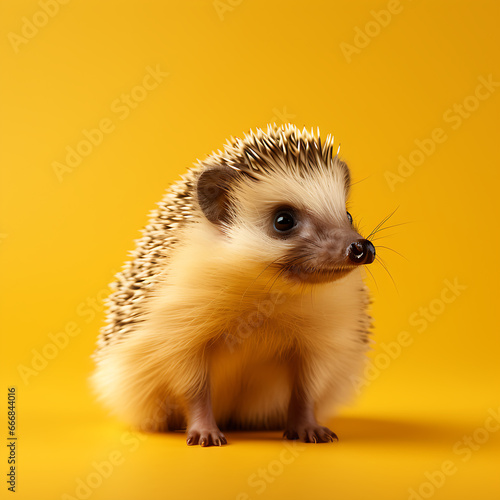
(213, 193)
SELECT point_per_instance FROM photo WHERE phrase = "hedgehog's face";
(295, 224)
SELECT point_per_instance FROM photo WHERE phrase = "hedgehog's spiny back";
(279, 149)
(139, 275)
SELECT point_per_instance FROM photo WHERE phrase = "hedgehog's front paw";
(207, 436)
(310, 433)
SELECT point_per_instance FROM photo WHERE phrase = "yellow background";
(232, 66)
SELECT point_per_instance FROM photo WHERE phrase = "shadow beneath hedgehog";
(367, 429)
(351, 429)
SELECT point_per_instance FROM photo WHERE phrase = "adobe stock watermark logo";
(130, 442)
(264, 476)
(281, 116)
(465, 448)
(40, 358)
(222, 7)
(454, 117)
(419, 321)
(252, 320)
(122, 107)
(31, 26)
(364, 36)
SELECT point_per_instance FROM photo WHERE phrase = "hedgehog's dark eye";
(349, 216)
(284, 221)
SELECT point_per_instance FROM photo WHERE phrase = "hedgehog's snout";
(361, 252)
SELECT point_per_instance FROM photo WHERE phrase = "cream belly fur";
(251, 381)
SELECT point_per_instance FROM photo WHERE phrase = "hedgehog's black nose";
(361, 252)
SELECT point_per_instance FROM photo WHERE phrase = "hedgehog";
(244, 304)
